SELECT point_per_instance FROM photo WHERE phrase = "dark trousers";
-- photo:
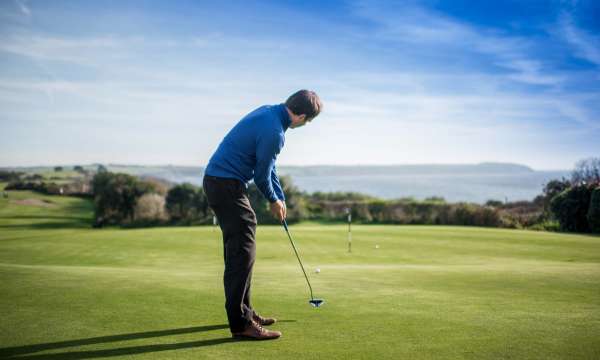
(228, 198)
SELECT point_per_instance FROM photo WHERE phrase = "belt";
(222, 179)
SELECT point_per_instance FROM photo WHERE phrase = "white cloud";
(417, 27)
(83, 51)
(186, 92)
(586, 46)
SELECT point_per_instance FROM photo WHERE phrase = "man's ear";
(302, 117)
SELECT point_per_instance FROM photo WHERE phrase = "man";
(249, 152)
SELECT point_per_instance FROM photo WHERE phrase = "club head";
(316, 302)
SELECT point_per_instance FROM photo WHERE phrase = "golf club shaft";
(298, 257)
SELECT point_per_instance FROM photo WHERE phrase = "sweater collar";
(285, 117)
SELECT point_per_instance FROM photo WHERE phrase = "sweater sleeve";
(276, 184)
(267, 148)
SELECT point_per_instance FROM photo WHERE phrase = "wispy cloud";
(401, 83)
(418, 27)
(585, 45)
(81, 51)
(22, 5)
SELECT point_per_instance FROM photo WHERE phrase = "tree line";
(571, 205)
(565, 204)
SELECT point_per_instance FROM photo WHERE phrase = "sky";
(402, 82)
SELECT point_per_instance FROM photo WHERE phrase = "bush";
(115, 197)
(494, 203)
(150, 207)
(187, 204)
(570, 208)
(552, 189)
(10, 176)
(34, 177)
(180, 201)
(295, 201)
(546, 225)
(593, 215)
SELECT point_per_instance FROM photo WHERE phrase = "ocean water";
(475, 188)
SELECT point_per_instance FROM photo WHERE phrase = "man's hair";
(304, 102)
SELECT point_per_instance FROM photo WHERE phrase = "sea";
(476, 188)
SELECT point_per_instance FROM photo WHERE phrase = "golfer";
(249, 152)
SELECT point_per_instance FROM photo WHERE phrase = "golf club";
(314, 302)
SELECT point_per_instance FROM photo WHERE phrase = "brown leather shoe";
(263, 321)
(256, 332)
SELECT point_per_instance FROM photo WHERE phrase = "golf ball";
(317, 270)
(376, 246)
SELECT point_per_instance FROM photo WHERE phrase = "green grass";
(71, 292)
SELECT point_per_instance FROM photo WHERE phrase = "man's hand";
(278, 210)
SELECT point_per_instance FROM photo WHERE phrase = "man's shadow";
(14, 352)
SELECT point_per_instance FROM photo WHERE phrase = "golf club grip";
(298, 257)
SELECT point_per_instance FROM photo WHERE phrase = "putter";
(314, 302)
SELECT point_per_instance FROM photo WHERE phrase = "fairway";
(427, 292)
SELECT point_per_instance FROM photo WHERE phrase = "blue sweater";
(249, 150)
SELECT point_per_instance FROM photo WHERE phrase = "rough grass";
(71, 292)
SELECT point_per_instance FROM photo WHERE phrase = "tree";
(180, 201)
(9, 176)
(115, 197)
(570, 208)
(260, 205)
(295, 200)
(150, 207)
(593, 215)
(201, 205)
(551, 189)
(58, 168)
(587, 171)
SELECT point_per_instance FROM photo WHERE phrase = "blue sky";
(155, 82)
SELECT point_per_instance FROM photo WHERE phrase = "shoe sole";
(245, 337)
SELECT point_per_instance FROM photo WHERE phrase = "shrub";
(494, 203)
(187, 204)
(295, 201)
(546, 225)
(150, 207)
(593, 215)
(115, 196)
(552, 189)
(570, 208)
(9, 176)
(180, 202)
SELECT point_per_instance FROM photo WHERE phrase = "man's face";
(299, 121)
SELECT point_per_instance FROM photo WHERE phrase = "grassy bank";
(72, 292)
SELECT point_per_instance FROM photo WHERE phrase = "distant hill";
(194, 174)
(459, 182)
(425, 169)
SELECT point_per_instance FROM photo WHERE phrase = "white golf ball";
(376, 246)
(317, 270)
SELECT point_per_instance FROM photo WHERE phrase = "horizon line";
(292, 165)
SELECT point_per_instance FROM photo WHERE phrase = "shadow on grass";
(49, 225)
(28, 349)
(75, 214)
(45, 217)
(133, 350)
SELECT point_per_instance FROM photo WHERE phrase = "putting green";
(428, 292)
